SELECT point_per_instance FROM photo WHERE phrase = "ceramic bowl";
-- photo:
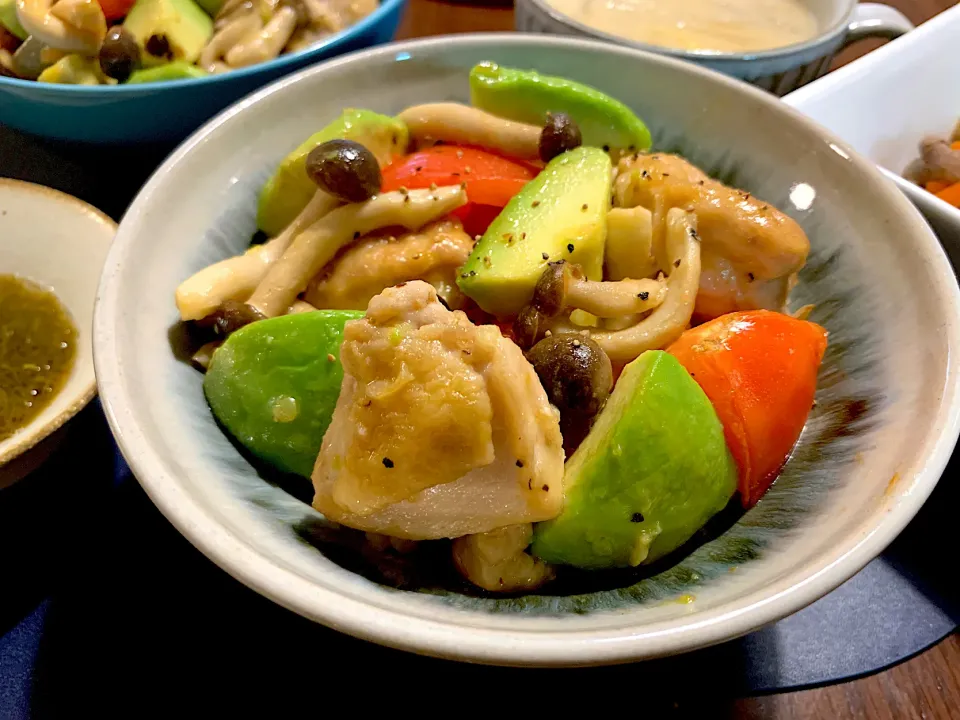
(58, 242)
(167, 111)
(873, 449)
(885, 103)
(780, 70)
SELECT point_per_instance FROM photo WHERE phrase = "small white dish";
(59, 242)
(873, 449)
(885, 103)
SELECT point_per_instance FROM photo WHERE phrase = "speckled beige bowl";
(59, 242)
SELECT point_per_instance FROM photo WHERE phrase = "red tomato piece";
(476, 218)
(759, 369)
(115, 9)
(490, 179)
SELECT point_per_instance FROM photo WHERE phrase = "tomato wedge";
(759, 369)
(491, 180)
(115, 9)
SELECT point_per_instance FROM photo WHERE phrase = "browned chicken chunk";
(442, 428)
(750, 250)
(379, 261)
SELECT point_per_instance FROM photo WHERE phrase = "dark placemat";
(103, 604)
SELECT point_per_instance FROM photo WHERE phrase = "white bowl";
(872, 451)
(886, 102)
(58, 242)
(780, 70)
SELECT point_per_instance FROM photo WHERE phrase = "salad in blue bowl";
(122, 71)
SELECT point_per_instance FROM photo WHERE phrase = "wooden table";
(924, 688)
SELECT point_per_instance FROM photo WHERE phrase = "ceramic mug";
(780, 70)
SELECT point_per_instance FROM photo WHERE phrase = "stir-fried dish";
(937, 169)
(512, 325)
(105, 42)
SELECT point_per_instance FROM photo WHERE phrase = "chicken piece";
(364, 269)
(498, 561)
(442, 428)
(750, 251)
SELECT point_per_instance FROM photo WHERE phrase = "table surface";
(926, 687)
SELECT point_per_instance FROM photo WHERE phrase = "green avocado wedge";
(274, 384)
(178, 70)
(9, 19)
(527, 96)
(653, 470)
(560, 214)
(289, 189)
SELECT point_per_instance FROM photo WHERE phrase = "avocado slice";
(9, 19)
(654, 468)
(163, 73)
(169, 30)
(562, 213)
(73, 70)
(526, 96)
(289, 190)
(274, 383)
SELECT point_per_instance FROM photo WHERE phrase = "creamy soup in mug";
(717, 25)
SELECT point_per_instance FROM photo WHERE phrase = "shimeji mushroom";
(316, 245)
(672, 305)
(73, 26)
(562, 288)
(458, 124)
(237, 277)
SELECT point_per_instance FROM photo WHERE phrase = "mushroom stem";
(233, 33)
(615, 298)
(267, 43)
(563, 287)
(628, 252)
(464, 125)
(942, 161)
(75, 26)
(316, 245)
(667, 322)
(237, 277)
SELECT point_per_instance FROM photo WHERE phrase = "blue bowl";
(167, 111)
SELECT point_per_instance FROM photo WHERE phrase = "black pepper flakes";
(530, 484)
(750, 277)
(535, 203)
(569, 247)
(643, 295)
(545, 256)
(665, 174)
(417, 256)
(419, 168)
(523, 236)
(636, 518)
(546, 488)
(644, 174)
(676, 263)
(519, 463)
(583, 208)
(387, 463)
(606, 148)
(473, 273)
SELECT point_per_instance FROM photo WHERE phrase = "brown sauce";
(38, 345)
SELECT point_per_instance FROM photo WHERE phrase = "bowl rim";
(371, 620)
(717, 56)
(34, 433)
(281, 62)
